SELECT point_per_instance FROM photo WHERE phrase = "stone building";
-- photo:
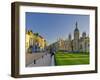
(77, 44)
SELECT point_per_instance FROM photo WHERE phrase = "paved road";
(39, 59)
(34, 56)
(52, 61)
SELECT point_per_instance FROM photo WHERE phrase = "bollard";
(34, 61)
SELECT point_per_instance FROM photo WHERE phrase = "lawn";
(64, 58)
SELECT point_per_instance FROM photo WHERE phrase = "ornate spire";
(76, 32)
(69, 36)
(76, 24)
(76, 29)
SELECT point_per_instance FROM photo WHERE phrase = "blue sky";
(54, 26)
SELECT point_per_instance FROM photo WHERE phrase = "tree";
(37, 34)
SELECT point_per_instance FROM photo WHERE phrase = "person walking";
(52, 52)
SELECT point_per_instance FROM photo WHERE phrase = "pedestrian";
(52, 52)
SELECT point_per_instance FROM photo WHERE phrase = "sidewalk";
(52, 61)
(41, 59)
(30, 57)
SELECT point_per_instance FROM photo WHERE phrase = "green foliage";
(37, 34)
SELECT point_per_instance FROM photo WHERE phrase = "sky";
(54, 26)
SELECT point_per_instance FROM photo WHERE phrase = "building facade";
(77, 44)
(34, 42)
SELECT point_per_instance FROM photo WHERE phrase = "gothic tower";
(69, 43)
(76, 39)
(84, 35)
(76, 32)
